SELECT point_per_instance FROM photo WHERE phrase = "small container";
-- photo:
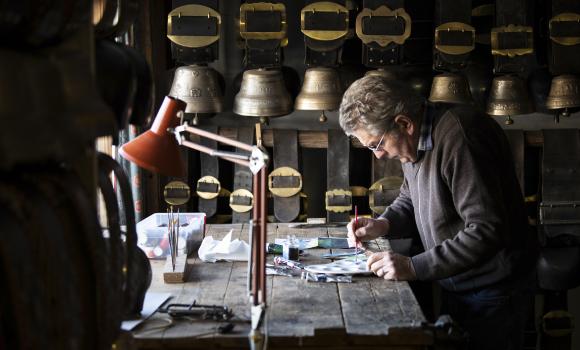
(291, 249)
(152, 233)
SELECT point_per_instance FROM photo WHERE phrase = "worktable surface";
(369, 312)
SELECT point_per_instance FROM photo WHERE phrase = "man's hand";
(392, 266)
(366, 230)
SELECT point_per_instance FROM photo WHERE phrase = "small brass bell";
(199, 87)
(320, 91)
(509, 96)
(564, 94)
(263, 94)
(450, 88)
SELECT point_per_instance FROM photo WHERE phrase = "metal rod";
(261, 247)
(255, 238)
(212, 152)
(216, 137)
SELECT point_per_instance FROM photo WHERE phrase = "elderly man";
(461, 194)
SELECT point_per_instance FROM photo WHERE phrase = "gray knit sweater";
(464, 199)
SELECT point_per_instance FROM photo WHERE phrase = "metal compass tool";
(175, 193)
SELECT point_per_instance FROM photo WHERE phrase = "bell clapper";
(508, 120)
(565, 113)
(195, 120)
(322, 117)
(264, 120)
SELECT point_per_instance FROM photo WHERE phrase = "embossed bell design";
(263, 94)
(564, 94)
(199, 87)
(450, 88)
(509, 96)
(320, 91)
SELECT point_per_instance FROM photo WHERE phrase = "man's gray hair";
(371, 103)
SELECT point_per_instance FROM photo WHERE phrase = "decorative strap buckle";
(559, 212)
(565, 19)
(323, 7)
(383, 192)
(285, 182)
(193, 10)
(454, 31)
(558, 323)
(338, 201)
(512, 29)
(267, 7)
(208, 187)
(241, 200)
(383, 12)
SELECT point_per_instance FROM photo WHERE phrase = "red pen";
(353, 231)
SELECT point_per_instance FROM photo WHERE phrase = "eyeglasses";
(378, 145)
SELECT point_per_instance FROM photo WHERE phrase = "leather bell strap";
(208, 183)
(454, 35)
(482, 19)
(194, 31)
(517, 144)
(387, 178)
(560, 206)
(241, 199)
(389, 25)
(564, 32)
(325, 26)
(338, 197)
(263, 27)
(286, 209)
(512, 37)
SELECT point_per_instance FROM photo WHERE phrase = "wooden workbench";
(368, 313)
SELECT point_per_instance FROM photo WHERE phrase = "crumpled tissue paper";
(212, 250)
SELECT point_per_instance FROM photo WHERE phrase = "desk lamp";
(158, 150)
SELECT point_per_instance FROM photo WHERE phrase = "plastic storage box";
(153, 236)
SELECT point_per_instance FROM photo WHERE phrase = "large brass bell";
(321, 91)
(199, 87)
(564, 94)
(263, 94)
(509, 96)
(450, 88)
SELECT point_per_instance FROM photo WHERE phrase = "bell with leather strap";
(321, 91)
(450, 88)
(509, 96)
(263, 94)
(564, 93)
(199, 87)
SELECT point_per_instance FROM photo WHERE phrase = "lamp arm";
(230, 156)
(212, 136)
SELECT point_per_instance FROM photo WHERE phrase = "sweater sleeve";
(471, 167)
(400, 215)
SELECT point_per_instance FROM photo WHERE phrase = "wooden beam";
(319, 139)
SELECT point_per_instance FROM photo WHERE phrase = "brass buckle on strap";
(383, 40)
(512, 52)
(454, 27)
(559, 316)
(323, 35)
(209, 180)
(263, 7)
(241, 200)
(193, 10)
(390, 185)
(284, 191)
(342, 196)
(565, 40)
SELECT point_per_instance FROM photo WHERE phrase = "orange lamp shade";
(157, 149)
